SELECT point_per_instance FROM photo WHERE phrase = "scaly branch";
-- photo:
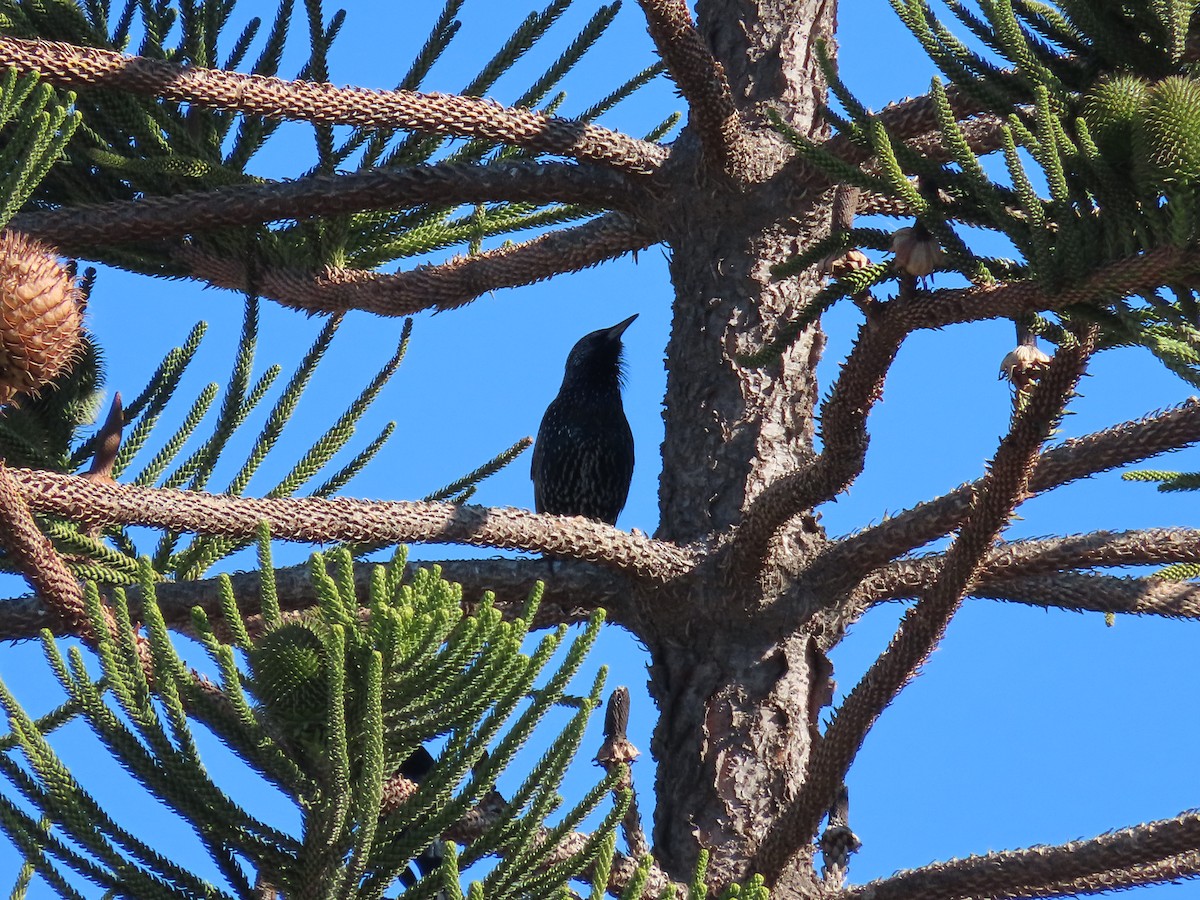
(860, 383)
(1012, 299)
(439, 287)
(852, 557)
(1018, 559)
(699, 76)
(1098, 593)
(573, 590)
(37, 559)
(67, 65)
(330, 195)
(364, 522)
(1144, 854)
(1003, 488)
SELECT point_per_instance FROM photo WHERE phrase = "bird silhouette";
(583, 457)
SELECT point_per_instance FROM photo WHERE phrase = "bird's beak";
(619, 329)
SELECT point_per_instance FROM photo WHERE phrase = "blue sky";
(1027, 726)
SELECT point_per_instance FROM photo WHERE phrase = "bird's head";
(597, 358)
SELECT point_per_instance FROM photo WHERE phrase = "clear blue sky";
(1026, 726)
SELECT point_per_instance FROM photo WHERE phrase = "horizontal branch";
(1171, 870)
(572, 592)
(1098, 593)
(1013, 299)
(1152, 852)
(439, 287)
(699, 76)
(447, 184)
(70, 66)
(1017, 559)
(315, 520)
(840, 568)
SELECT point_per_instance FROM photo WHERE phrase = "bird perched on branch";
(583, 458)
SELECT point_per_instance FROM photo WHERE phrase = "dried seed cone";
(41, 316)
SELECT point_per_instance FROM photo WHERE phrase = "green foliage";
(43, 433)
(330, 708)
(754, 889)
(36, 122)
(1099, 106)
(1170, 481)
(130, 146)
(1166, 481)
(1179, 572)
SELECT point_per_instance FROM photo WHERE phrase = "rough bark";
(736, 706)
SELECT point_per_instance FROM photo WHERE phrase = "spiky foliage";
(43, 434)
(1091, 158)
(328, 709)
(36, 123)
(130, 147)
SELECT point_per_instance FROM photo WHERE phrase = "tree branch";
(1003, 488)
(315, 520)
(699, 76)
(860, 383)
(439, 287)
(1012, 299)
(843, 418)
(37, 559)
(67, 65)
(330, 195)
(573, 590)
(1144, 854)
(849, 559)
(1098, 593)
(1018, 559)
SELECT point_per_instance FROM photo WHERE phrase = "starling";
(416, 768)
(583, 458)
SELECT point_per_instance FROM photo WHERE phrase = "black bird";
(583, 458)
(416, 768)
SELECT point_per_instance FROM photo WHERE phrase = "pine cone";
(41, 316)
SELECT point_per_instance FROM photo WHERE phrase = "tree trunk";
(736, 706)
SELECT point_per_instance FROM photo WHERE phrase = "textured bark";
(732, 743)
(731, 430)
(736, 706)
